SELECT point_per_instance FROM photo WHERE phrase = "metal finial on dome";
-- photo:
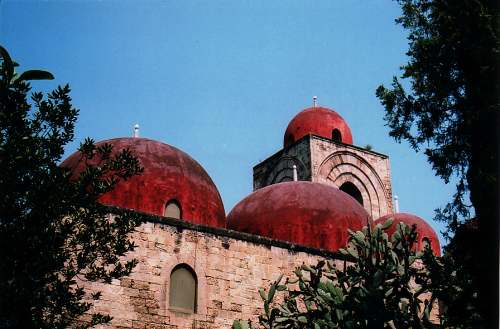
(136, 130)
(396, 204)
(295, 176)
(315, 101)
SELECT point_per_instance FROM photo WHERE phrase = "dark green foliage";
(450, 283)
(53, 233)
(453, 51)
(452, 113)
(384, 286)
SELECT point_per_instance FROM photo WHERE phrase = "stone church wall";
(279, 167)
(319, 159)
(335, 164)
(230, 267)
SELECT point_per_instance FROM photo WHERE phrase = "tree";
(53, 232)
(452, 111)
(386, 285)
(451, 286)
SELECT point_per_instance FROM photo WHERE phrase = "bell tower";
(319, 144)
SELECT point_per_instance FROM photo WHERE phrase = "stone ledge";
(312, 136)
(222, 233)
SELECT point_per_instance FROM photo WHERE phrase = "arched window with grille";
(183, 292)
(173, 209)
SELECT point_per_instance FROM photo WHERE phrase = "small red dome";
(169, 175)
(424, 230)
(319, 121)
(305, 213)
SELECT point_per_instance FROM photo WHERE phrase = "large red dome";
(319, 121)
(424, 230)
(170, 175)
(305, 213)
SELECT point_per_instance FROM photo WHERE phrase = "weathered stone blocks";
(228, 279)
(324, 161)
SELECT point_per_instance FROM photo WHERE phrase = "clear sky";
(222, 79)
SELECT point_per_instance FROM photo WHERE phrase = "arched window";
(336, 135)
(426, 243)
(352, 190)
(183, 291)
(173, 210)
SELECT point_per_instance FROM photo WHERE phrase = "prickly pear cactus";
(383, 284)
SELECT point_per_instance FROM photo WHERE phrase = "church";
(200, 268)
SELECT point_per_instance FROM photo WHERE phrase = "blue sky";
(222, 79)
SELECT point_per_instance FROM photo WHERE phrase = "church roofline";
(385, 156)
(227, 233)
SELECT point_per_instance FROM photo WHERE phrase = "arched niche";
(345, 166)
(183, 289)
(173, 209)
(283, 170)
(336, 135)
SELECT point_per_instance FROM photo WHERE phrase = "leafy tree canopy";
(53, 233)
(451, 111)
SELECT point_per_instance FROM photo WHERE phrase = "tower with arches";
(319, 143)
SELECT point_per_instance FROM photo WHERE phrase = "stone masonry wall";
(336, 163)
(279, 167)
(321, 160)
(229, 273)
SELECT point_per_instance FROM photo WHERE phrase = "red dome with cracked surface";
(305, 213)
(424, 230)
(170, 175)
(319, 121)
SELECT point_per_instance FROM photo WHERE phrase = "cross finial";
(136, 130)
(315, 101)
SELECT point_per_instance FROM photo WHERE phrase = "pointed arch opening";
(352, 190)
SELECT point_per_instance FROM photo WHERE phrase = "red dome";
(169, 175)
(305, 213)
(424, 230)
(319, 121)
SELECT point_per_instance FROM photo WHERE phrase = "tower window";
(183, 289)
(173, 210)
(352, 190)
(336, 135)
